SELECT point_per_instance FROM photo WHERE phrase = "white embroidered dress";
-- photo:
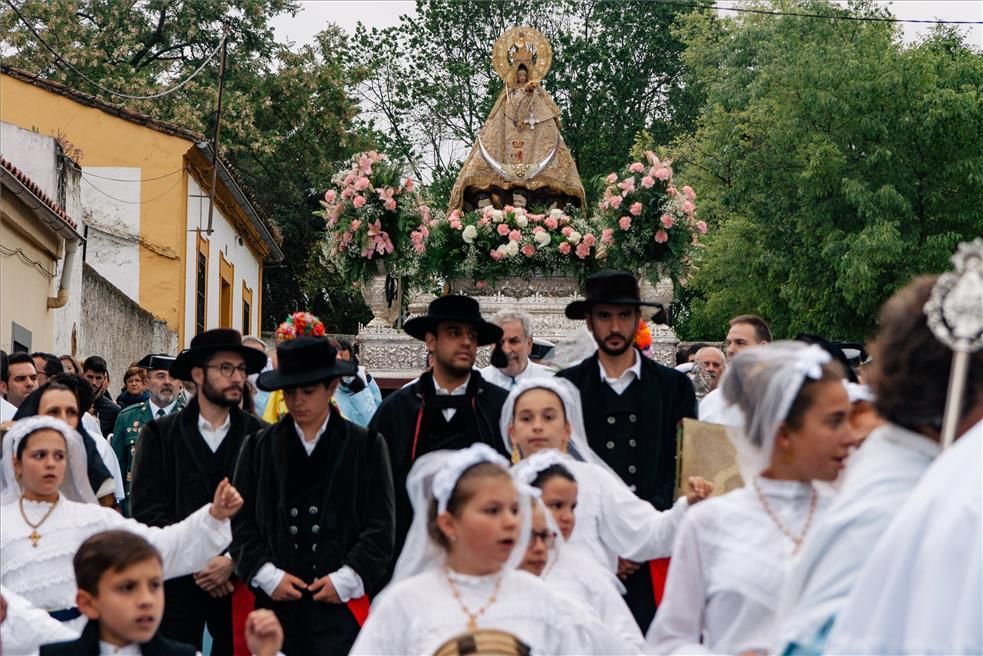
(728, 568)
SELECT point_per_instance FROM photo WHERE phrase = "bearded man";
(180, 459)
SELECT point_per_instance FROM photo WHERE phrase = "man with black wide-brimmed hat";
(316, 529)
(180, 459)
(448, 407)
(636, 407)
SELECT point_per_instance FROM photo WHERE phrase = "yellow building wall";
(107, 140)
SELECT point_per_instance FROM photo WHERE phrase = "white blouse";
(44, 575)
(728, 567)
(612, 521)
(419, 614)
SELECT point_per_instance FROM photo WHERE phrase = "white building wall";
(224, 239)
(111, 198)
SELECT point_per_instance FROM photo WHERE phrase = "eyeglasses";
(227, 369)
(548, 537)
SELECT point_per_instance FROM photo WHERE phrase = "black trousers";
(188, 609)
(312, 628)
(640, 597)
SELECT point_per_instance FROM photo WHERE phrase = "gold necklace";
(797, 541)
(473, 617)
(35, 536)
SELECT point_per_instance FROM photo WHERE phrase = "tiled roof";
(36, 190)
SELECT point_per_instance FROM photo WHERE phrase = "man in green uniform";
(162, 402)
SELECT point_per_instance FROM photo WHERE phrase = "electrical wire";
(75, 70)
(16, 251)
(768, 12)
(102, 177)
(132, 202)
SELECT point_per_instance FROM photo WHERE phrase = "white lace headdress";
(75, 486)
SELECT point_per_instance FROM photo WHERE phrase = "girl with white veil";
(612, 522)
(732, 552)
(457, 573)
(48, 509)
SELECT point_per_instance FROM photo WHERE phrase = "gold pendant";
(34, 536)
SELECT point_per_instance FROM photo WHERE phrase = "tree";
(833, 164)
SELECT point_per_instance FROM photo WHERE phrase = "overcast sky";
(315, 14)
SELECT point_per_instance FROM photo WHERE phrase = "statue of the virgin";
(519, 157)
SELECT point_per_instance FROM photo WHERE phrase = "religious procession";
(679, 352)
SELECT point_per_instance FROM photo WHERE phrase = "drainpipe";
(71, 248)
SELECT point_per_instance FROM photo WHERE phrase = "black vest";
(618, 443)
(88, 645)
(310, 524)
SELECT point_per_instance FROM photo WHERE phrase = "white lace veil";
(434, 477)
(764, 381)
(578, 447)
(75, 486)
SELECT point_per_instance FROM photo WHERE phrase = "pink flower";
(583, 250)
(551, 223)
(455, 224)
(455, 214)
(386, 196)
(419, 248)
(347, 192)
(346, 238)
(689, 207)
(503, 229)
(485, 220)
(362, 184)
(481, 284)
(635, 209)
(625, 222)
(689, 193)
(615, 202)
(566, 231)
(652, 159)
(358, 202)
(515, 235)
(667, 221)
(627, 186)
(607, 236)
(365, 165)
(408, 185)
(508, 208)
(330, 196)
(648, 182)
(528, 250)
(661, 237)
(495, 254)
(377, 241)
(424, 230)
(416, 237)
(671, 190)
(564, 247)
(662, 173)
(424, 213)
(603, 204)
(702, 227)
(636, 167)
(590, 240)
(612, 178)
(538, 229)
(349, 179)
(355, 224)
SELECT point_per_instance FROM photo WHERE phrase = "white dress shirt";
(155, 409)
(627, 377)
(460, 390)
(214, 435)
(347, 583)
(715, 410)
(498, 376)
(7, 410)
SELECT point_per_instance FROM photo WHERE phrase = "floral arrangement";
(371, 213)
(643, 338)
(488, 244)
(652, 221)
(299, 324)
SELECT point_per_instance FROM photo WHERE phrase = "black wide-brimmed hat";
(155, 361)
(609, 288)
(209, 343)
(453, 307)
(304, 361)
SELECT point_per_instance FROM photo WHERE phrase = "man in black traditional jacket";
(180, 459)
(635, 408)
(316, 530)
(449, 407)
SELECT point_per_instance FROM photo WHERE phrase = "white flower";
(556, 214)
(497, 216)
(469, 234)
(574, 237)
(542, 239)
(512, 248)
(521, 220)
(503, 249)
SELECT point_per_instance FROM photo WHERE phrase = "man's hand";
(264, 635)
(291, 588)
(226, 502)
(215, 575)
(700, 489)
(324, 590)
(626, 568)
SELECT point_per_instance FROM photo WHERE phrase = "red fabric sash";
(243, 603)
(359, 608)
(658, 571)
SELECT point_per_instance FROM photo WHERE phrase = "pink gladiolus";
(625, 222)
(689, 207)
(551, 223)
(627, 186)
(635, 209)
(564, 247)
(361, 184)
(702, 227)
(566, 231)
(495, 255)
(375, 156)
(528, 250)
(607, 236)
(503, 229)
(583, 250)
(358, 202)
(515, 235)
(667, 221)
(648, 182)
(330, 196)
(355, 224)
(612, 178)
(652, 158)
(636, 167)
(615, 202)
(590, 240)
(689, 193)
(661, 237)
(386, 196)
(365, 165)
(662, 173)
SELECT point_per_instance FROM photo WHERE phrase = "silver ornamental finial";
(954, 313)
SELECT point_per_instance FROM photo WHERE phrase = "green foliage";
(832, 176)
